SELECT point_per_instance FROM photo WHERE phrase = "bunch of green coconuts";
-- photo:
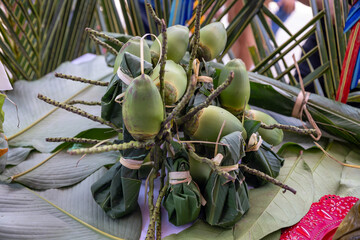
(143, 110)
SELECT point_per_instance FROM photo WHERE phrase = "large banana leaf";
(326, 172)
(350, 177)
(39, 120)
(17, 155)
(277, 209)
(69, 213)
(59, 169)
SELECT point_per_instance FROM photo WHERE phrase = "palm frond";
(38, 35)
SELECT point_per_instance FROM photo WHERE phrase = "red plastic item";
(322, 220)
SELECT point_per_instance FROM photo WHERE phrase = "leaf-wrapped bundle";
(117, 191)
(227, 201)
(183, 198)
(265, 160)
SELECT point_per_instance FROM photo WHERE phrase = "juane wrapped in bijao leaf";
(227, 201)
(118, 190)
(182, 200)
(259, 156)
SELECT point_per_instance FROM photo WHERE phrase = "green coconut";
(212, 42)
(175, 81)
(142, 108)
(132, 46)
(177, 43)
(271, 136)
(199, 171)
(206, 124)
(237, 94)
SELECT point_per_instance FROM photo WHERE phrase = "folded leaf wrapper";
(183, 199)
(131, 65)
(349, 228)
(227, 201)
(117, 191)
(265, 160)
(111, 110)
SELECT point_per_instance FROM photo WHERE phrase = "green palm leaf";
(39, 35)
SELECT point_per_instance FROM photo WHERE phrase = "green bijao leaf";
(111, 110)
(251, 126)
(118, 190)
(39, 120)
(17, 155)
(68, 213)
(264, 160)
(45, 171)
(271, 209)
(227, 201)
(131, 65)
(202, 230)
(327, 173)
(182, 201)
(273, 236)
(350, 177)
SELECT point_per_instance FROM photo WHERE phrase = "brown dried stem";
(80, 79)
(207, 102)
(267, 178)
(78, 111)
